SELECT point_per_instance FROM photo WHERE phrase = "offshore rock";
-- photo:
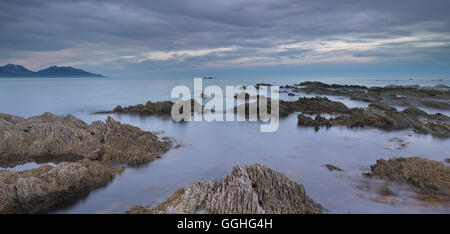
(154, 108)
(384, 117)
(397, 95)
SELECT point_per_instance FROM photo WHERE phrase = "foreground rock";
(253, 189)
(394, 95)
(25, 140)
(84, 154)
(380, 116)
(38, 189)
(431, 177)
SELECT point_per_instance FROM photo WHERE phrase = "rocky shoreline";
(254, 189)
(86, 155)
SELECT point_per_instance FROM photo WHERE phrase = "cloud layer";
(174, 35)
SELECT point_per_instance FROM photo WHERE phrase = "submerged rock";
(332, 167)
(51, 135)
(38, 189)
(254, 189)
(431, 177)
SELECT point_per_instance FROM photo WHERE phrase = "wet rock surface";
(432, 178)
(379, 116)
(395, 95)
(254, 189)
(51, 135)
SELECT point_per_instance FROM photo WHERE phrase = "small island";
(11, 70)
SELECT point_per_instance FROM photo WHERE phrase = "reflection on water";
(209, 150)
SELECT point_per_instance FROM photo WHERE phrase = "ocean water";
(209, 150)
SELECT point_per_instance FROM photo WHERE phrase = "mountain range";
(11, 70)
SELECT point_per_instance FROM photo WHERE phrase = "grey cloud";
(126, 28)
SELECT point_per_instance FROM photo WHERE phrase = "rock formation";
(431, 177)
(153, 108)
(84, 155)
(381, 116)
(254, 189)
(38, 189)
(394, 95)
(50, 135)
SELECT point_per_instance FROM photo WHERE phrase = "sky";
(174, 38)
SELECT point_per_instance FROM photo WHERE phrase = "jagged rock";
(154, 108)
(128, 144)
(397, 95)
(315, 105)
(38, 189)
(254, 189)
(431, 177)
(382, 106)
(383, 117)
(50, 135)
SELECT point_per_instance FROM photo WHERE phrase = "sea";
(209, 150)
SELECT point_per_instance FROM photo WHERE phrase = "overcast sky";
(228, 37)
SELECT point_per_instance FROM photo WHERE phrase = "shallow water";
(210, 149)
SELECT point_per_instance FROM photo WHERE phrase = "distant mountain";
(11, 70)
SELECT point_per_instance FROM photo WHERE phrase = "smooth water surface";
(210, 149)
